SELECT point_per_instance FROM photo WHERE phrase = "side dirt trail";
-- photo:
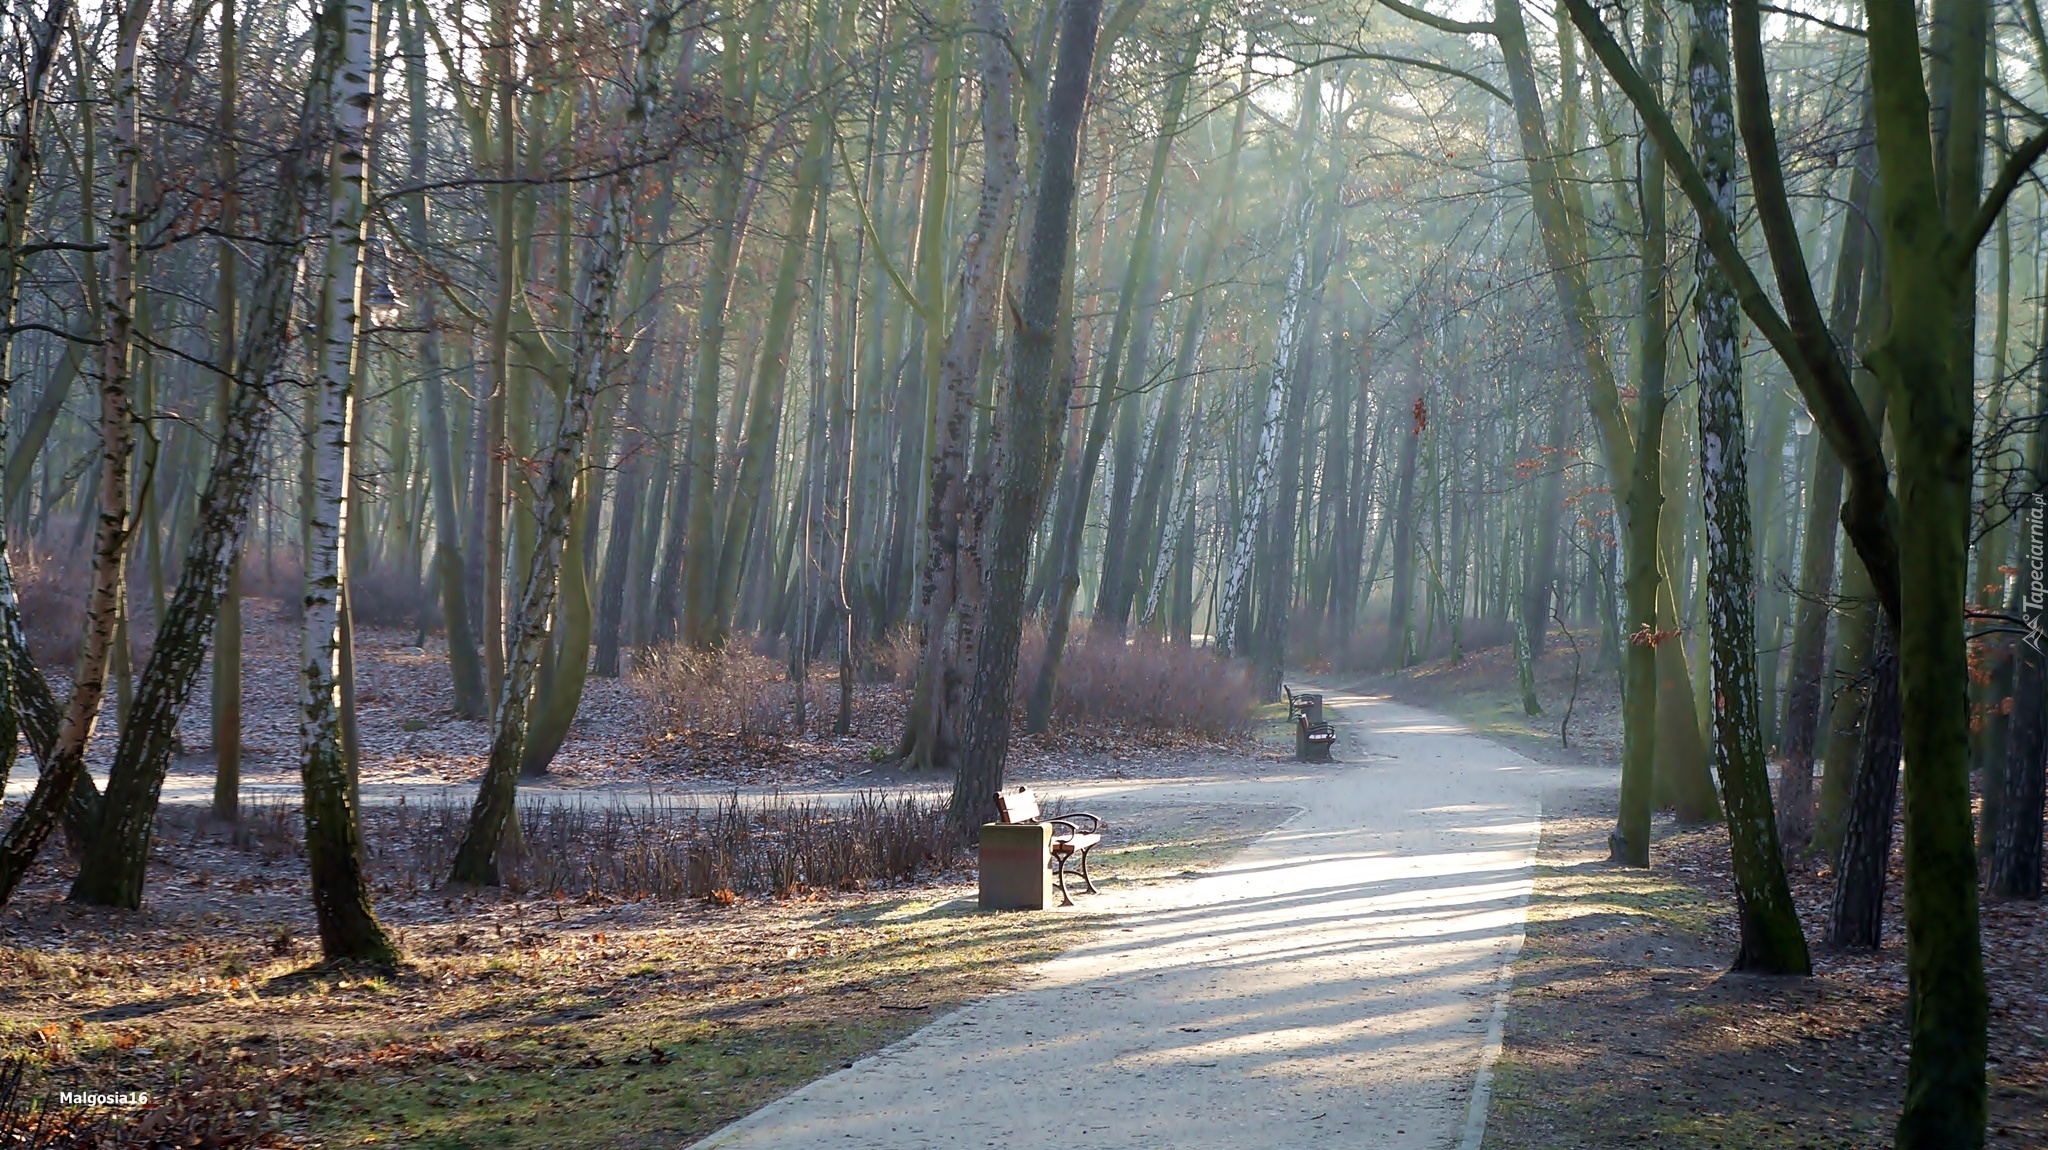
(1333, 985)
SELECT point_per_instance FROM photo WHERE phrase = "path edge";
(1481, 1099)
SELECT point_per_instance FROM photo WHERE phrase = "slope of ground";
(1625, 1027)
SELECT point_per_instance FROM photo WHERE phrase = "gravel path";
(1335, 985)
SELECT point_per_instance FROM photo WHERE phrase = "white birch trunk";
(341, 282)
(341, 902)
(1238, 576)
(1771, 938)
(117, 435)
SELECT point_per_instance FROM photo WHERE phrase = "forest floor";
(528, 1018)
(515, 1021)
(413, 742)
(1625, 1027)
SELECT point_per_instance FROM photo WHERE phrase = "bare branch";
(1440, 23)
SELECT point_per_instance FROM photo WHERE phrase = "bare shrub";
(51, 592)
(893, 656)
(663, 850)
(277, 577)
(734, 693)
(383, 596)
(269, 827)
(1141, 684)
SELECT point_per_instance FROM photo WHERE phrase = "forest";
(939, 386)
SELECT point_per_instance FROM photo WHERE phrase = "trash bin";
(1016, 866)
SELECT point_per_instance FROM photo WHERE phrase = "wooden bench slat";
(1018, 806)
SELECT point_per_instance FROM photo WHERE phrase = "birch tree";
(477, 858)
(334, 847)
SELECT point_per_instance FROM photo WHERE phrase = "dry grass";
(206, 1107)
(519, 1023)
(660, 850)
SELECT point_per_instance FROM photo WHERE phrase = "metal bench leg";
(1087, 883)
(1059, 872)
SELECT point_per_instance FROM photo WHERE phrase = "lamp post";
(386, 308)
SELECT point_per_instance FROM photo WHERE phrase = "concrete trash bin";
(1016, 866)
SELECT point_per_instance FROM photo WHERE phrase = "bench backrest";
(1018, 806)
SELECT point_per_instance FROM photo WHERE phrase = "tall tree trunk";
(558, 690)
(1537, 586)
(476, 859)
(1365, 447)
(1931, 196)
(931, 734)
(700, 566)
(1796, 815)
(1031, 408)
(1991, 691)
(764, 408)
(1855, 648)
(227, 639)
(1772, 942)
(464, 662)
(618, 557)
(66, 760)
(2016, 851)
(1683, 779)
(1130, 331)
(1268, 648)
(1642, 505)
(349, 929)
(505, 246)
(1856, 918)
(1233, 617)
(1119, 555)
(1400, 647)
(27, 706)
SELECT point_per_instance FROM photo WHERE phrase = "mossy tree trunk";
(1796, 814)
(1856, 916)
(1642, 505)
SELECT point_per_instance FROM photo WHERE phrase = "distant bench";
(1070, 843)
(1313, 737)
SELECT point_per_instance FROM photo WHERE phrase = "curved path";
(1336, 984)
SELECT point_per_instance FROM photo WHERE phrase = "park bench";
(1313, 737)
(1070, 843)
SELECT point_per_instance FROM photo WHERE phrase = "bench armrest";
(1067, 821)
